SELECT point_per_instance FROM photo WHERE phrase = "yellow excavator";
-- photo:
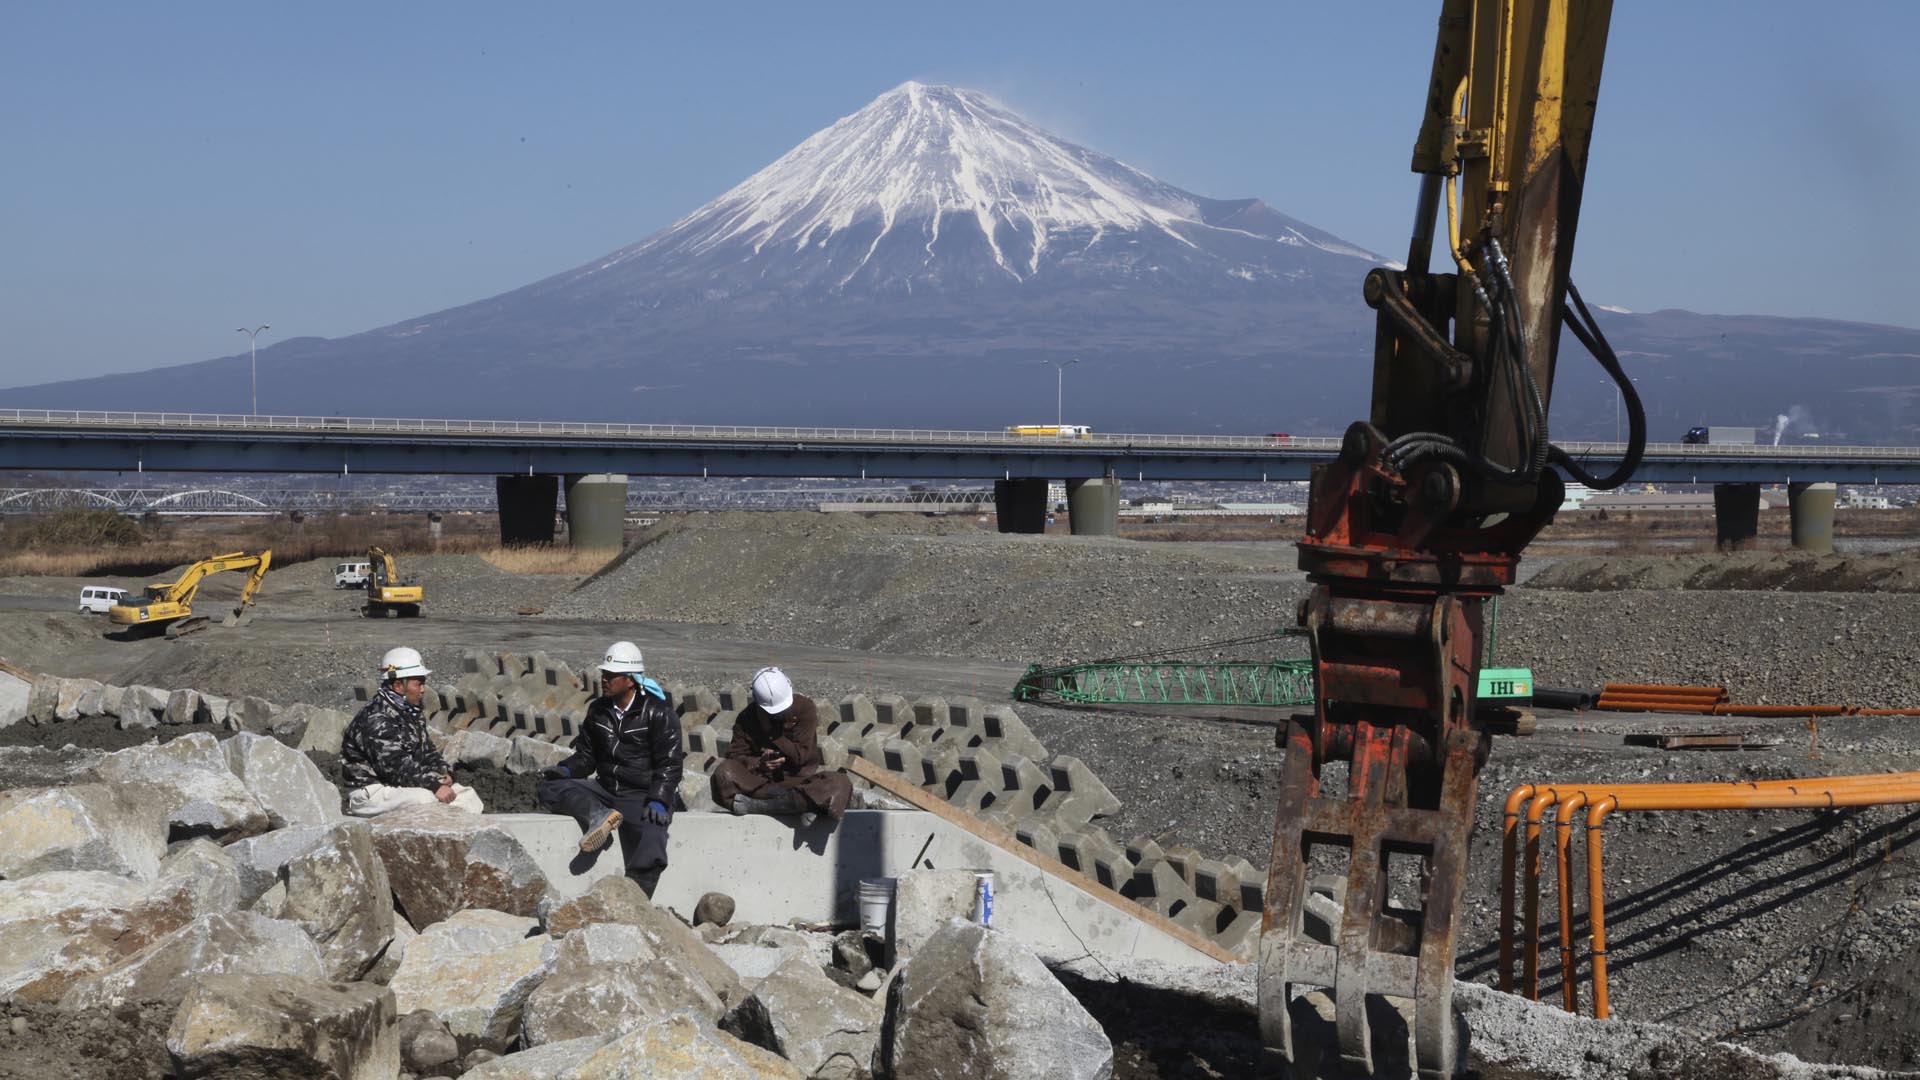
(388, 595)
(169, 604)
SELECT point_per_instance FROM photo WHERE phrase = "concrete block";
(1203, 917)
(930, 712)
(1159, 888)
(1027, 785)
(1241, 935)
(699, 699)
(833, 753)
(735, 697)
(514, 664)
(904, 758)
(700, 763)
(1078, 795)
(1038, 835)
(858, 710)
(892, 710)
(365, 691)
(1007, 733)
(1183, 859)
(965, 712)
(701, 739)
(777, 874)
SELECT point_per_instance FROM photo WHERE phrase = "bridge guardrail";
(802, 435)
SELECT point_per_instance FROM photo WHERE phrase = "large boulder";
(310, 727)
(234, 943)
(63, 926)
(44, 766)
(680, 1048)
(924, 902)
(258, 859)
(540, 1062)
(141, 706)
(619, 900)
(288, 785)
(442, 860)
(973, 1002)
(530, 755)
(826, 1030)
(79, 698)
(607, 978)
(475, 985)
(16, 695)
(339, 892)
(200, 795)
(234, 1027)
(251, 714)
(383, 969)
(426, 1046)
(470, 747)
(83, 827)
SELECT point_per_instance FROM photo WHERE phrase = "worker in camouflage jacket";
(773, 765)
(387, 761)
(624, 774)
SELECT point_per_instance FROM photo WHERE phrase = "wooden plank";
(897, 785)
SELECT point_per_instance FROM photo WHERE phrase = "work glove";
(657, 813)
(555, 772)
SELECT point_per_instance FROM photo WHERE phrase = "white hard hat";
(623, 657)
(772, 690)
(402, 663)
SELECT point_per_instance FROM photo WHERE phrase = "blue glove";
(657, 813)
(556, 772)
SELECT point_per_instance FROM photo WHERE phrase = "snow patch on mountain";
(929, 159)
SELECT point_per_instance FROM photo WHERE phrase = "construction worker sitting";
(386, 758)
(624, 774)
(772, 766)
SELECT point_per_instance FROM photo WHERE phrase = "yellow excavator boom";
(168, 603)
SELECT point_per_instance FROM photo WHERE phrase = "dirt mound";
(1760, 571)
(934, 586)
(1876, 1021)
(43, 1042)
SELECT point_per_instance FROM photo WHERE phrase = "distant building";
(1854, 500)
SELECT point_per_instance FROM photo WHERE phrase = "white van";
(98, 598)
(351, 575)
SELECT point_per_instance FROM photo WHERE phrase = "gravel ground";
(1788, 931)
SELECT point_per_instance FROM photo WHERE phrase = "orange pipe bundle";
(1600, 800)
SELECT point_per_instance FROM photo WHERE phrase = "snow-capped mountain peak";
(937, 171)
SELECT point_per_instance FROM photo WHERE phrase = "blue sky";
(173, 171)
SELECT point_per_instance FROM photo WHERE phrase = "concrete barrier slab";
(775, 873)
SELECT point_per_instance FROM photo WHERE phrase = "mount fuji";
(913, 265)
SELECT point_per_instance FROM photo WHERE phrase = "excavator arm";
(1421, 520)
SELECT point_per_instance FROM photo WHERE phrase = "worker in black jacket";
(624, 774)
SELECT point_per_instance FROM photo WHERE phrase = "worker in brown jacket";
(772, 766)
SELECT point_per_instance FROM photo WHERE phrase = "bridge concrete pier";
(527, 508)
(1811, 508)
(1021, 505)
(596, 510)
(1736, 515)
(1093, 507)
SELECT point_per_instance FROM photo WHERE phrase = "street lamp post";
(253, 361)
(1059, 387)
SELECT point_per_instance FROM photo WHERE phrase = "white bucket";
(876, 903)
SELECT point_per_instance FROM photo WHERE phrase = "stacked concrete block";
(1078, 795)
(699, 699)
(734, 697)
(857, 710)
(905, 758)
(1025, 785)
(1037, 834)
(1003, 729)
(974, 785)
(702, 739)
(892, 710)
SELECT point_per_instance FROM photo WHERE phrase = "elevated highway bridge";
(531, 459)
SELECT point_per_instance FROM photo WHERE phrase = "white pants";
(376, 799)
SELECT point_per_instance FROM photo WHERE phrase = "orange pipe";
(1597, 903)
(1563, 844)
(1662, 690)
(1831, 791)
(1530, 957)
(1509, 849)
(1871, 790)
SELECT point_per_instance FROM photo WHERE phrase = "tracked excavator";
(388, 594)
(168, 605)
(1420, 521)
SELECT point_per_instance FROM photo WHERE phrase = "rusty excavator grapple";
(1421, 520)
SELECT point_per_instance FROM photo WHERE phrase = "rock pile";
(221, 875)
